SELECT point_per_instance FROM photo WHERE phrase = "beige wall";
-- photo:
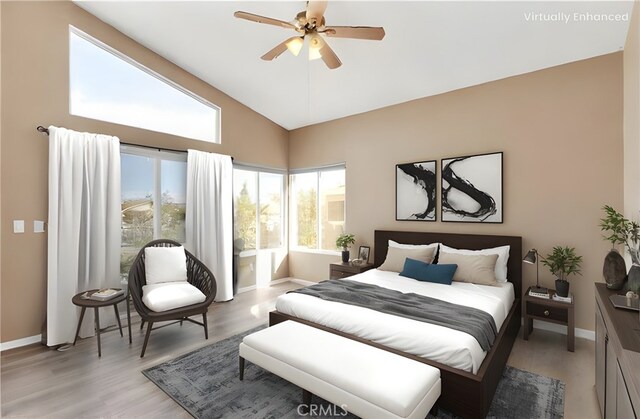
(35, 92)
(2, 228)
(561, 133)
(631, 59)
(315, 266)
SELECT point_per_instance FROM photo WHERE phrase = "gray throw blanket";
(477, 323)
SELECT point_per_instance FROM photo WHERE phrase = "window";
(153, 186)
(317, 207)
(106, 85)
(258, 224)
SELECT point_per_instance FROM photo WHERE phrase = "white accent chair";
(165, 301)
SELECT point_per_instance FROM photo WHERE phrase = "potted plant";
(621, 230)
(344, 241)
(562, 262)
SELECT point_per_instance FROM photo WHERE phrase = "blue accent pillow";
(422, 271)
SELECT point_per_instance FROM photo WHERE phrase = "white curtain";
(84, 226)
(209, 216)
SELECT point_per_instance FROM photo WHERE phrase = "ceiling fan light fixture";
(310, 24)
(295, 46)
(316, 43)
(314, 54)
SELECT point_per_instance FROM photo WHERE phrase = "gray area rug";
(205, 383)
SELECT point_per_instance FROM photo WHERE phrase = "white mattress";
(450, 347)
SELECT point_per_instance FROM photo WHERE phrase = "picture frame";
(363, 253)
(416, 191)
(472, 189)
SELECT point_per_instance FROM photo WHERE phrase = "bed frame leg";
(241, 365)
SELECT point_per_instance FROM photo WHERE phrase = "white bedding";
(451, 347)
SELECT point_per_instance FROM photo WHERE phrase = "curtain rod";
(44, 130)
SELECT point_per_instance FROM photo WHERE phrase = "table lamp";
(532, 257)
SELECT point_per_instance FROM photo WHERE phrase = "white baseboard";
(558, 328)
(302, 281)
(20, 342)
(270, 283)
(279, 281)
(246, 289)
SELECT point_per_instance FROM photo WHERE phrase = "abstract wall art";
(472, 189)
(416, 191)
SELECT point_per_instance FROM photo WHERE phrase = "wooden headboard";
(460, 241)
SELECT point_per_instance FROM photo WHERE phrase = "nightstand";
(343, 270)
(549, 311)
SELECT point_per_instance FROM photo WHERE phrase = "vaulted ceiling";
(430, 47)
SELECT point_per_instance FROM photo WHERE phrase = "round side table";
(95, 304)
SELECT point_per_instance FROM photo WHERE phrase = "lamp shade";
(295, 45)
(531, 256)
(315, 45)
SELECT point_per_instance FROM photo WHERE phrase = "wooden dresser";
(617, 358)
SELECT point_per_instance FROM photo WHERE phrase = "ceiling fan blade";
(356, 32)
(329, 57)
(315, 10)
(262, 19)
(279, 49)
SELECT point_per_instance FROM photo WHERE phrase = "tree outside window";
(317, 208)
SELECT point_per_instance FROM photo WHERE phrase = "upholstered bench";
(367, 381)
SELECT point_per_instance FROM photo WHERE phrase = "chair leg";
(141, 324)
(206, 328)
(129, 318)
(146, 339)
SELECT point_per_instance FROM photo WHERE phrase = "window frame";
(283, 205)
(317, 170)
(157, 155)
(218, 119)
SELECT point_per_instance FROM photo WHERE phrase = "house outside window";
(154, 188)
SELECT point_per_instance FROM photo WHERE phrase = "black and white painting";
(416, 191)
(472, 188)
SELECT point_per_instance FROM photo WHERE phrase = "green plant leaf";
(563, 261)
(345, 240)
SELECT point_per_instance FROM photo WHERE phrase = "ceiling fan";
(310, 24)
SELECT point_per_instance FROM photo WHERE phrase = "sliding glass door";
(259, 236)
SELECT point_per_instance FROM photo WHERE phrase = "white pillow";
(170, 295)
(396, 257)
(165, 264)
(412, 246)
(477, 269)
(501, 264)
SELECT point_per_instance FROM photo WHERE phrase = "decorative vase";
(614, 270)
(633, 283)
(345, 256)
(562, 288)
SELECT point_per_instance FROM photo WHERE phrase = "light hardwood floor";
(38, 382)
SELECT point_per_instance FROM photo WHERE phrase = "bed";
(470, 376)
